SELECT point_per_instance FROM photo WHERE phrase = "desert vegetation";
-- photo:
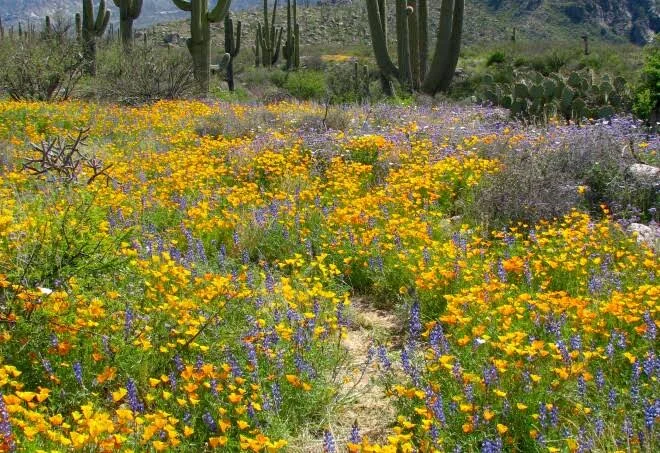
(248, 240)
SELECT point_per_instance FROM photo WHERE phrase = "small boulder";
(172, 38)
(646, 234)
(645, 173)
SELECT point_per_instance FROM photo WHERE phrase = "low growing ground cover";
(196, 295)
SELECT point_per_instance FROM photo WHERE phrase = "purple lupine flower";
(582, 386)
(47, 366)
(252, 355)
(105, 341)
(415, 323)
(201, 252)
(600, 379)
(437, 408)
(627, 428)
(78, 373)
(595, 284)
(426, 254)
(620, 339)
(651, 329)
(405, 361)
(611, 398)
(382, 357)
(584, 443)
(438, 341)
(235, 237)
(303, 367)
(435, 434)
(609, 350)
(233, 363)
(648, 364)
(501, 272)
(565, 356)
(599, 426)
(128, 322)
(491, 446)
(540, 439)
(543, 415)
(576, 342)
(5, 425)
(490, 375)
(355, 436)
(213, 384)
(210, 422)
(554, 415)
(469, 393)
(329, 445)
(178, 363)
(133, 399)
(528, 273)
(342, 320)
(199, 363)
(457, 371)
(277, 396)
(650, 414)
(270, 282)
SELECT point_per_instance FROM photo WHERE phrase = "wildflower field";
(200, 292)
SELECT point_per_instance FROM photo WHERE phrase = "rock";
(172, 38)
(646, 234)
(646, 174)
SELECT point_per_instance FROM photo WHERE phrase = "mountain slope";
(634, 20)
(637, 20)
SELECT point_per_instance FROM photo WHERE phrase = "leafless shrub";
(62, 159)
(40, 70)
(230, 125)
(149, 74)
(584, 170)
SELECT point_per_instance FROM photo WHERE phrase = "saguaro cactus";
(129, 10)
(78, 21)
(269, 38)
(199, 43)
(412, 43)
(292, 46)
(47, 28)
(232, 47)
(92, 29)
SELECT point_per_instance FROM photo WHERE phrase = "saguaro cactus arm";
(423, 36)
(237, 40)
(129, 10)
(183, 5)
(454, 44)
(439, 63)
(220, 10)
(379, 41)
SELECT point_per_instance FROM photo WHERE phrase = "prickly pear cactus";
(574, 97)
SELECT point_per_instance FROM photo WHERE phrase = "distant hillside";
(153, 11)
(636, 20)
(614, 20)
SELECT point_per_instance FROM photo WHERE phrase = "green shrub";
(647, 96)
(496, 58)
(340, 80)
(306, 85)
